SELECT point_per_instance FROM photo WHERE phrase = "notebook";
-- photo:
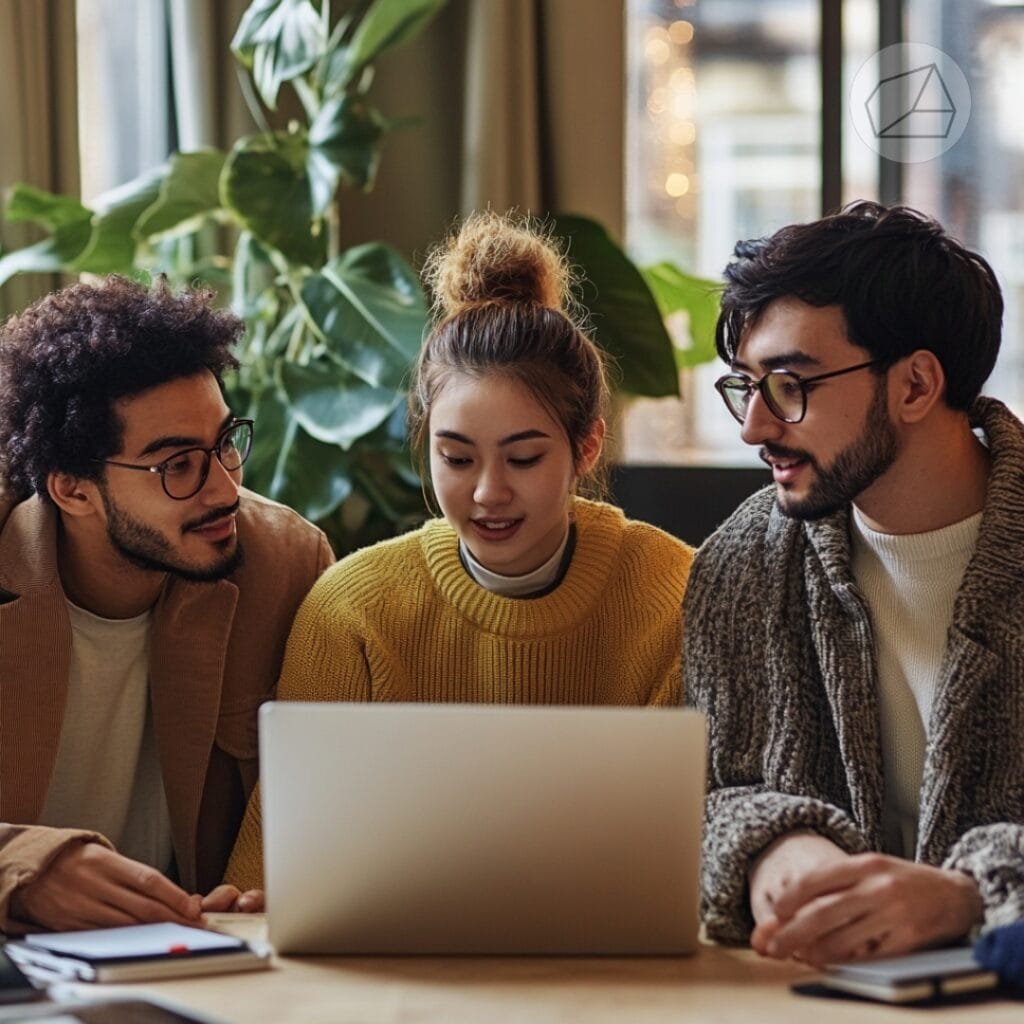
(134, 953)
(481, 829)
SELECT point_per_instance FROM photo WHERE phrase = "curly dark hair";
(901, 281)
(70, 356)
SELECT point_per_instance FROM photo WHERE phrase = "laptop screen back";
(424, 828)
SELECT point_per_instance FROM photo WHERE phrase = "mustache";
(778, 451)
(211, 516)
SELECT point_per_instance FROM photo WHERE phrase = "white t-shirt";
(910, 582)
(107, 775)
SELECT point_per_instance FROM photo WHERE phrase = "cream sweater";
(909, 582)
(404, 621)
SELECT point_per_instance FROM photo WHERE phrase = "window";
(124, 106)
(724, 141)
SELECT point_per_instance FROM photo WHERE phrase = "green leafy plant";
(331, 333)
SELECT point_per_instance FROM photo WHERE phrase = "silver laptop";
(468, 828)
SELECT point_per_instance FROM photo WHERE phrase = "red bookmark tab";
(179, 947)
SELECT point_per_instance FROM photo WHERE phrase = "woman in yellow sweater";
(523, 593)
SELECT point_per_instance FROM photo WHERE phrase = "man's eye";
(178, 465)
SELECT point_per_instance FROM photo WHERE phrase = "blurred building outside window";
(723, 142)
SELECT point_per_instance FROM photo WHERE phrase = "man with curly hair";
(145, 600)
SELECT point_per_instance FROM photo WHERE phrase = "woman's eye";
(454, 460)
(523, 463)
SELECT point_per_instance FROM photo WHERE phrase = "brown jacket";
(215, 654)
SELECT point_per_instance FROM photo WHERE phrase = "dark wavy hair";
(67, 359)
(902, 283)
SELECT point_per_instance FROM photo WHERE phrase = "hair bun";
(496, 258)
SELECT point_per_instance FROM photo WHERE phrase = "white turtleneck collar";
(515, 586)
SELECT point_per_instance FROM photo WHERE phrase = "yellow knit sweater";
(404, 621)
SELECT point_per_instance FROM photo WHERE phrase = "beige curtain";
(545, 103)
(521, 103)
(38, 118)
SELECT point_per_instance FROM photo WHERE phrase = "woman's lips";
(495, 529)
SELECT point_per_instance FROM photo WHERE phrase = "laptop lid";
(466, 828)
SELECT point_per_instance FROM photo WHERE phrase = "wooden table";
(716, 986)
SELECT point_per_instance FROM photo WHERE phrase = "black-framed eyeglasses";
(784, 392)
(184, 473)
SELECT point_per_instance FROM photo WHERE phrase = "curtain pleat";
(38, 119)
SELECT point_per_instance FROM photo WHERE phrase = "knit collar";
(915, 554)
(532, 584)
(599, 533)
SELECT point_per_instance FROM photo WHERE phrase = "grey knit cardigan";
(778, 652)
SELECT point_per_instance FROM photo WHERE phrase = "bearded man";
(855, 634)
(145, 601)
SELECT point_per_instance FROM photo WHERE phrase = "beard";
(852, 471)
(146, 548)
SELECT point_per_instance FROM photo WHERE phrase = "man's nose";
(760, 424)
(221, 485)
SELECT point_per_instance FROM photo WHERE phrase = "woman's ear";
(590, 449)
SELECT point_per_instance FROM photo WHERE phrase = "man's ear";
(590, 449)
(73, 495)
(916, 384)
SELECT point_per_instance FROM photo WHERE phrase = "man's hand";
(89, 886)
(857, 907)
(782, 865)
(228, 899)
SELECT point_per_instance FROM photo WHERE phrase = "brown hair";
(501, 305)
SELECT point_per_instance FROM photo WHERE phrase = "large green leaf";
(278, 40)
(45, 257)
(67, 219)
(289, 466)
(624, 316)
(266, 186)
(27, 203)
(344, 141)
(332, 405)
(368, 308)
(111, 248)
(189, 194)
(387, 24)
(677, 293)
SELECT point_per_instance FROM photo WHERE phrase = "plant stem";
(295, 342)
(252, 102)
(333, 231)
(308, 95)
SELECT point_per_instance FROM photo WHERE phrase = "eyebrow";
(780, 362)
(523, 435)
(180, 441)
